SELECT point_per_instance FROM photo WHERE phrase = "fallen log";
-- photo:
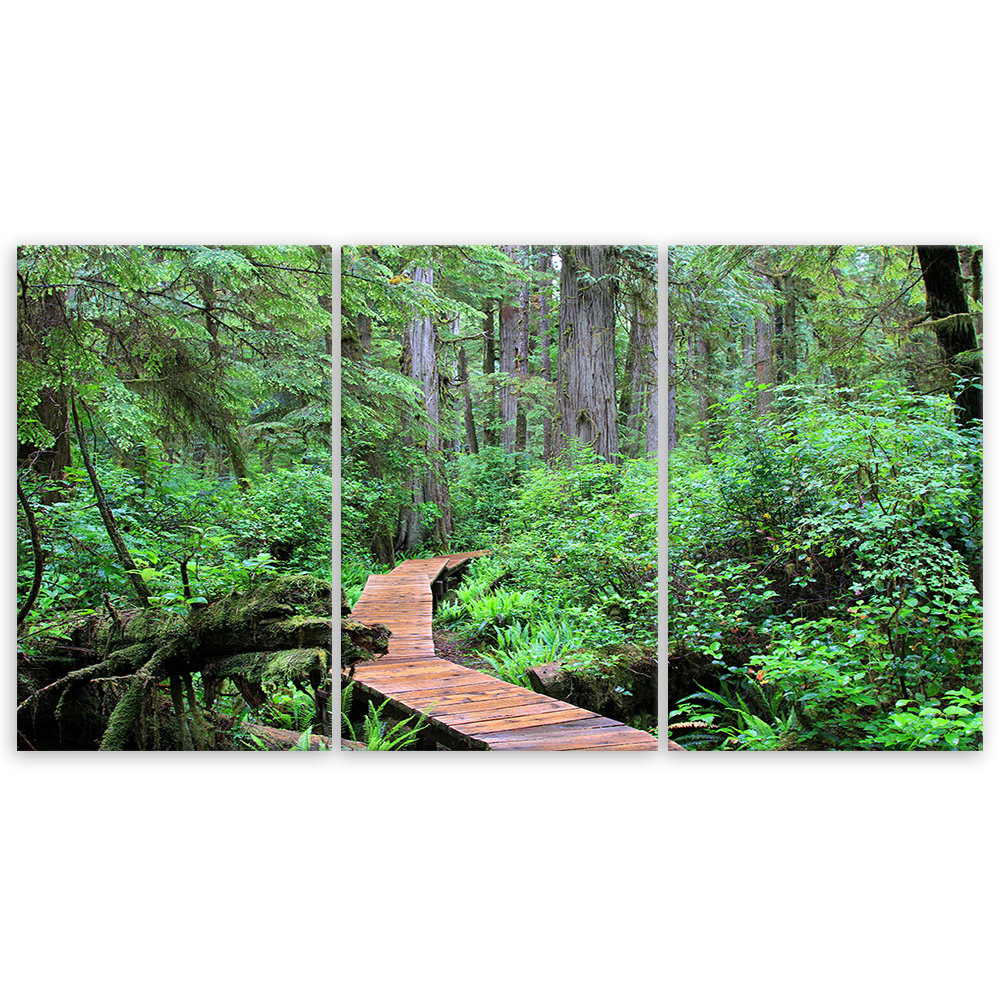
(107, 688)
(285, 739)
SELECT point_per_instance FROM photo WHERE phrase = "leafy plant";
(378, 733)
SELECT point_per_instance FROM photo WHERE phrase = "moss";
(287, 666)
(288, 596)
(293, 665)
(361, 642)
(284, 623)
(149, 626)
(126, 711)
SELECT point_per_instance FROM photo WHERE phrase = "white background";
(489, 875)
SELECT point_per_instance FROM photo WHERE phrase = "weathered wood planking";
(465, 708)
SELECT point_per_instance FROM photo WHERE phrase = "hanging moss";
(127, 710)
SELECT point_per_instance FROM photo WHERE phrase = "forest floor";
(450, 647)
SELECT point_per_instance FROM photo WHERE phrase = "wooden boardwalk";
(467, 709)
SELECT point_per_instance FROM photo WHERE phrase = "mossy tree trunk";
(954, 326)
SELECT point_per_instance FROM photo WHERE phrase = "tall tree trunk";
(491, 414)
(653, 398)
(350, 339)
(521, 370)
(449, 396)
(588, 409)
(545, 344)
(953, 325)
(790, 355)
(428, 485)
(641, 380)
(671, 386)
(625, 408)
(363, 326)
(511, 315)
(763, 367)
(471, 441)
(706, 398)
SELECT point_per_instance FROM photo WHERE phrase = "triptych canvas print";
(544, 454)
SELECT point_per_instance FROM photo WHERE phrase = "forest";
(174, 497)
(825, 497)
(503, 400)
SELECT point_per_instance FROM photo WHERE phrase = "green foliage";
(202, 377)
(287, 707)
(220, 534)
(489, 615)
(579, 573)
(483, 493)
(289, 512)
(585, 535)
(835, 556)
(378, 733)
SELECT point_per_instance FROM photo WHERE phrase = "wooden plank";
(620, 746)
(431, 686)
(591, 738)
(539, 718)
(486, 707)
(465, 705)
(569, 745)
(590, 725)
(468, 700)
(501, 718)
(405, 671)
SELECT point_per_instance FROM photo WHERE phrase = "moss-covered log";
(124, 679)
(359, 642)
(623, 686)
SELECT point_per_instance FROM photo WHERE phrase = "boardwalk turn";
(468, 707)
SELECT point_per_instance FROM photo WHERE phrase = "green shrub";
(847, 543)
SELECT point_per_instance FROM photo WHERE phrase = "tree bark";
(471, 440)
(545, 344)
(350, 339)
(521, 357)
(491, 408)
(789, 346)
(642, 385)
(763, 367)
(588, 410)
(428, 485)
(706, 398)
(511, 318)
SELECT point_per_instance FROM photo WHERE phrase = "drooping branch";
(36, 547)
(127, 563)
